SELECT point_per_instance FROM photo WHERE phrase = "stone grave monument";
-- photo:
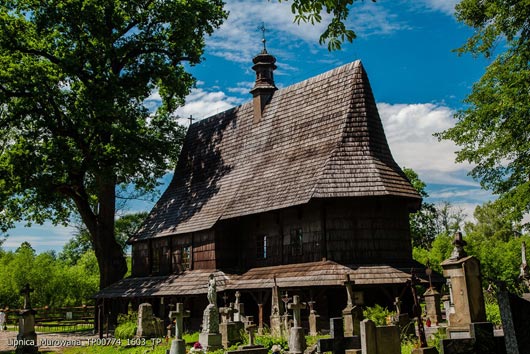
(239, 314)
(515, 316)
(27, 338)
(276, 324)
(297, 343)
(148, 325)
(210, 338)
(465, 290)
(251, 347)
(379, 340)
(228, 328)
(338, 344)
(313, 316)
(178, 345)
(352, 314)
(432, 305)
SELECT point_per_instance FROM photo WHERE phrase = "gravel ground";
(50, 341)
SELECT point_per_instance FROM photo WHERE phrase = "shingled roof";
(320, 138)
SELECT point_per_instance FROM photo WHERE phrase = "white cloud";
(238, 39)
(409, 129)
(445, 6)
(201, 103)
(41, 237)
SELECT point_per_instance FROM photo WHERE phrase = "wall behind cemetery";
(345, 230)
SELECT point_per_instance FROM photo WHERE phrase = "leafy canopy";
(310, 11)
(493, 130)
(74, 75)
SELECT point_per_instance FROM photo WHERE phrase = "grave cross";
(225, 298)
(397, 303)
(191, 119)
(296, 306)
(250, 328)
(458, 250)
(238, 295)
(348, 283)
(25, 291)
(178, 315)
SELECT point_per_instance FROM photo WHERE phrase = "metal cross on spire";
(263, 40)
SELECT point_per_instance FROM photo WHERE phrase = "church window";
(261, 247)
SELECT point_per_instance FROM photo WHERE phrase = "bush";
(377, 314)
(127, 326)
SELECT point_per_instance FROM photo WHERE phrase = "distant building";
(298, 184)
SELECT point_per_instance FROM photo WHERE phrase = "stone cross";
(337, 344)
(178, 315)
(397, 303)
(238, 295)
(225, 298)
(25, 291)
(296, 306)
(458, 250)
(250, 328)
(348, 283)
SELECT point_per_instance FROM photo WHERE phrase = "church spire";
(264, 86)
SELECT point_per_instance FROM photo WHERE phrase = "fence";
(60, 319)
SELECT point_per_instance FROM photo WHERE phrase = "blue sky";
(407, 48)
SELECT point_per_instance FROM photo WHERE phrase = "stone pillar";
(178, 345)
(432, 305)
(466, 293)
(297, 343)
(148, 325)
(368, 337)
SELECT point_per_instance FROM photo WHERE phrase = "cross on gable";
(296, 306)
(178, 316)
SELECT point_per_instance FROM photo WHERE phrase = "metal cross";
(263, 30)
(191, 119)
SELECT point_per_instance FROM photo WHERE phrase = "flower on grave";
(197, 348)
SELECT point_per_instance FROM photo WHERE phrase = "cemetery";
(286, 228)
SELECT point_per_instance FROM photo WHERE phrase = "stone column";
(432, 305)
(352, 314)
(466, 290)
(297, 343)
(313, 331)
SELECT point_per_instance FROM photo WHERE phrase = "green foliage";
(125, 330)
(268, 341)
(491, 130)
(492, 221)
(377, 314)
(441, 249)
(74, 76)
(493, 313)
(423, 226)
(191, 337)
(56, 283)
(310, 11)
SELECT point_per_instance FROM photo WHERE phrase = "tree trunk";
(111, 260)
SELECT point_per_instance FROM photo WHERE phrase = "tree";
(310, 11)
(492, 222)
(80, 244)
(423, 223)
(73, 78)
(492, 131)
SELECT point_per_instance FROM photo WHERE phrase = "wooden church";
(297, 187)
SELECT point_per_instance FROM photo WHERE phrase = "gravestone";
(402, 320)
(297, 343)
(26, 338)
(210, 338)
(251, 347)
(239, 314)
(432, 305)
(276, 313)
(352, 314)
(465, 290)
(338, 344)
(515, 316)
(379, 340)
(313, 316)
(178, 345)
(481, 341)
(149, 326)
(228, 328)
